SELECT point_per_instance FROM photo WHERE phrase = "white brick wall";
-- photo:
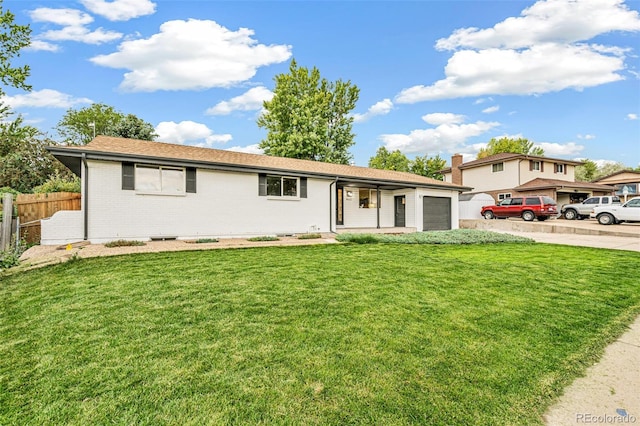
(226, 204)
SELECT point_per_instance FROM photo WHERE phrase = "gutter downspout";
(86, 196)
(377, 206)
(331, 231)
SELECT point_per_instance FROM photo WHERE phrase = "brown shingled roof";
(540, 183)
(511, 156)
(132, 148)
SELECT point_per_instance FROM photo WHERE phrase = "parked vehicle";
(583, 210)
(616, 213)
(529, 208)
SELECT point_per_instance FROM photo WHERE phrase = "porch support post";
(378, 206)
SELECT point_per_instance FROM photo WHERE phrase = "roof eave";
(72, 153)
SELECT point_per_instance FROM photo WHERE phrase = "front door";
(340, 206)
(400, 202)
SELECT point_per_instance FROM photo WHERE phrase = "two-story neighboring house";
(507, 174)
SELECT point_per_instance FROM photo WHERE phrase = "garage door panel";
(436, 213)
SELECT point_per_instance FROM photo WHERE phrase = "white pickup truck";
(627, 212)
(583, 209)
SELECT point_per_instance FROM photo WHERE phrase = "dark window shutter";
(303, 187)
(530, 165)
(565, 169)
(128, 176)
(262, 185)
(191, 179)
(542, 166)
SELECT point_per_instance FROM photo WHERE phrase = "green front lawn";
(328, 334)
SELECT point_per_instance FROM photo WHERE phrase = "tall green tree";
(79, 126)
(24, 161)
(428, 166)
(516, 146)
(386, 160)
(586, 172)
(13, 38)
(309, 117)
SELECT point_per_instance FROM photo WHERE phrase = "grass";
(336, 334)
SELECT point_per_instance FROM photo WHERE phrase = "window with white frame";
(497, 167)
(160, 179)
(536, 165)
(560, 168)
(368, 198)
(504, 195)
(281, 186)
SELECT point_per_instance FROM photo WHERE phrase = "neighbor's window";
(368, 198)
(536, 165)
(560, 168)
(504, 195)
(159, 179)
(498, 167)
(279, 186)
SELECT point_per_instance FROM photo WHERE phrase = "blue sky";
(435, 77)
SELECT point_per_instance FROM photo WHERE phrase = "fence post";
(7, 218)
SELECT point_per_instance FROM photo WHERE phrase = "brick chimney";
(456, 173)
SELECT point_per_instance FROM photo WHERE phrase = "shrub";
(206, 240)
(263, 238)
(124, 243)
(58, 183)
(309, 236)
(456, 236)
(10, 257)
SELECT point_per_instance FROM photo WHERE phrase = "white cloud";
(120, 10)
(250, 149)
(553, 149)
(632, 116)
(63, 17)
(45, 98)
(541, 69)
(250, 100)
(74, 23)
(193, 54)
(491, 109)
(557, 21)
(541, 51)
(438, 118)
(445, 137)
(190, 133)
(587, 137)
(382, 107)
(483, 100)
(81, 34)
(43, 45)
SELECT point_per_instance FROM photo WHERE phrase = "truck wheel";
(570, 214)
(606, 219)
(528, 216)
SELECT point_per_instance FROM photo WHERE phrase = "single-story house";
(141, 190)
(626, 182)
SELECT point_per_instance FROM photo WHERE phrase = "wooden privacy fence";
(33, 207)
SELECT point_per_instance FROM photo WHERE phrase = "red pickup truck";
(529, 208)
